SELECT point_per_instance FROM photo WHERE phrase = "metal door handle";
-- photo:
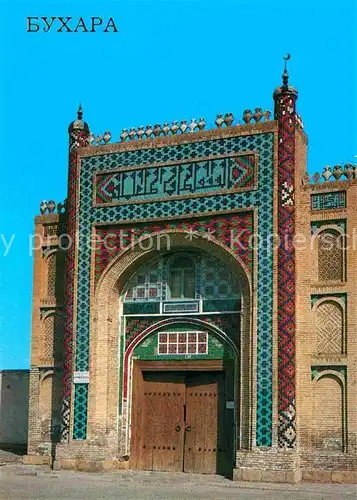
(188, 428)
(178, 428)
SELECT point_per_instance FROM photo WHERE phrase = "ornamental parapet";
(51, 207)
(53, 218)
(181, 127)
(331, 176)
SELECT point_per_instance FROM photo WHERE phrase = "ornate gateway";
(179, 322)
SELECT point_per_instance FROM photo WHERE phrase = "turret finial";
(80, 112)
(285, 88)
(78, 124)
(286, 74)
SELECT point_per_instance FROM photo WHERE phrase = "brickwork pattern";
(51, 275)
(286, 263)
(53, 336)
(330, 256)
(326, 400)
(47, 335)
(49, 324)
(329, 328)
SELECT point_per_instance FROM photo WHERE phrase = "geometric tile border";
(262, 199)
(285, 114)
(77, 138)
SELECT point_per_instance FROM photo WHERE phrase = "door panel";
(179, 422)
(161, 426)
(204, 450)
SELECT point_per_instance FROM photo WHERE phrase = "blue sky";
(170, 60)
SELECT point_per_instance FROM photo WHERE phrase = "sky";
(169, 60)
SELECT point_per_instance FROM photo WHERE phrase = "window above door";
(185, 281)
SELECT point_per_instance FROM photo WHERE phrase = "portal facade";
(194, 304)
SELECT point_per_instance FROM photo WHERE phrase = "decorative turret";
(78, 131)
(78, 124)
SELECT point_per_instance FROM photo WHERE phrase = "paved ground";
(7, 456)
(39, 482)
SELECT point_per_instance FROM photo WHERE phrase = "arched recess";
(51, 273)
(53, 329)
(329, 411)
(106, 312)
(330, 327)
(330, 253)
(165, 324)
(55, 263)
(50, 405)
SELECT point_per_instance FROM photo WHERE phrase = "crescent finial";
(286, 58)
(80, 111)
(285, 74)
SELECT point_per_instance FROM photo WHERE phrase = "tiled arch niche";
(213, 284)
(108, 320)
(157, 327)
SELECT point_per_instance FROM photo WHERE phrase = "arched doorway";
(181, 389)
(110, 415)
(183, 412)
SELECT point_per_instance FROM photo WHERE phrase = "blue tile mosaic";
(262, 198)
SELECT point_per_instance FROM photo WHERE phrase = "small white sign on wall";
(81, 377)
(230, 405)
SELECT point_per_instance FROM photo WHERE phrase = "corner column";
(78, 137)
(285, 113)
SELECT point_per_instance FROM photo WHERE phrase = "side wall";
(326, 335)
(45, 393)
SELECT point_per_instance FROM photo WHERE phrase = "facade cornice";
(175, 140)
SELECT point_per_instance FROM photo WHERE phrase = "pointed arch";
(107, 348)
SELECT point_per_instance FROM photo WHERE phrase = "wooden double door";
(179, 422)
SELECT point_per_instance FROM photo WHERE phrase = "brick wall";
(45, 393)
(326, 377)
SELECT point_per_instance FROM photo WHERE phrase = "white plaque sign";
(81, 377)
